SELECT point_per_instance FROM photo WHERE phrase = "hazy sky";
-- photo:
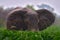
(54, 3)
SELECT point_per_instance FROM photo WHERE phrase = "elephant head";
(31, 20)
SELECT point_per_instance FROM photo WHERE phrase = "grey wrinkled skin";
(15, 21)
(31, 20)
(46, 18)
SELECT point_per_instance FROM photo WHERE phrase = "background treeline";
(3, 14)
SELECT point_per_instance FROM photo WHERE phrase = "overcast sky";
(54, 3)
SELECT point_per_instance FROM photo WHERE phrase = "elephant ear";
(14, 18)
(46, 18)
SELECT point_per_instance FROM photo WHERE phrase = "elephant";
(28, 19)
(46, 18)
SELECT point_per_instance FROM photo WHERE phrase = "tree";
(45, 6)
(30, 6)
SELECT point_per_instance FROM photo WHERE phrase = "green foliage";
(30, 6)
(51, 33)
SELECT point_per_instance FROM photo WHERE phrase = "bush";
(51, 33)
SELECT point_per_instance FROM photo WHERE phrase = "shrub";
(51, 33)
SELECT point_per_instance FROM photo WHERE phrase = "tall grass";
(51, 33)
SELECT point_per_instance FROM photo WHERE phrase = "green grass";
(51, 33)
